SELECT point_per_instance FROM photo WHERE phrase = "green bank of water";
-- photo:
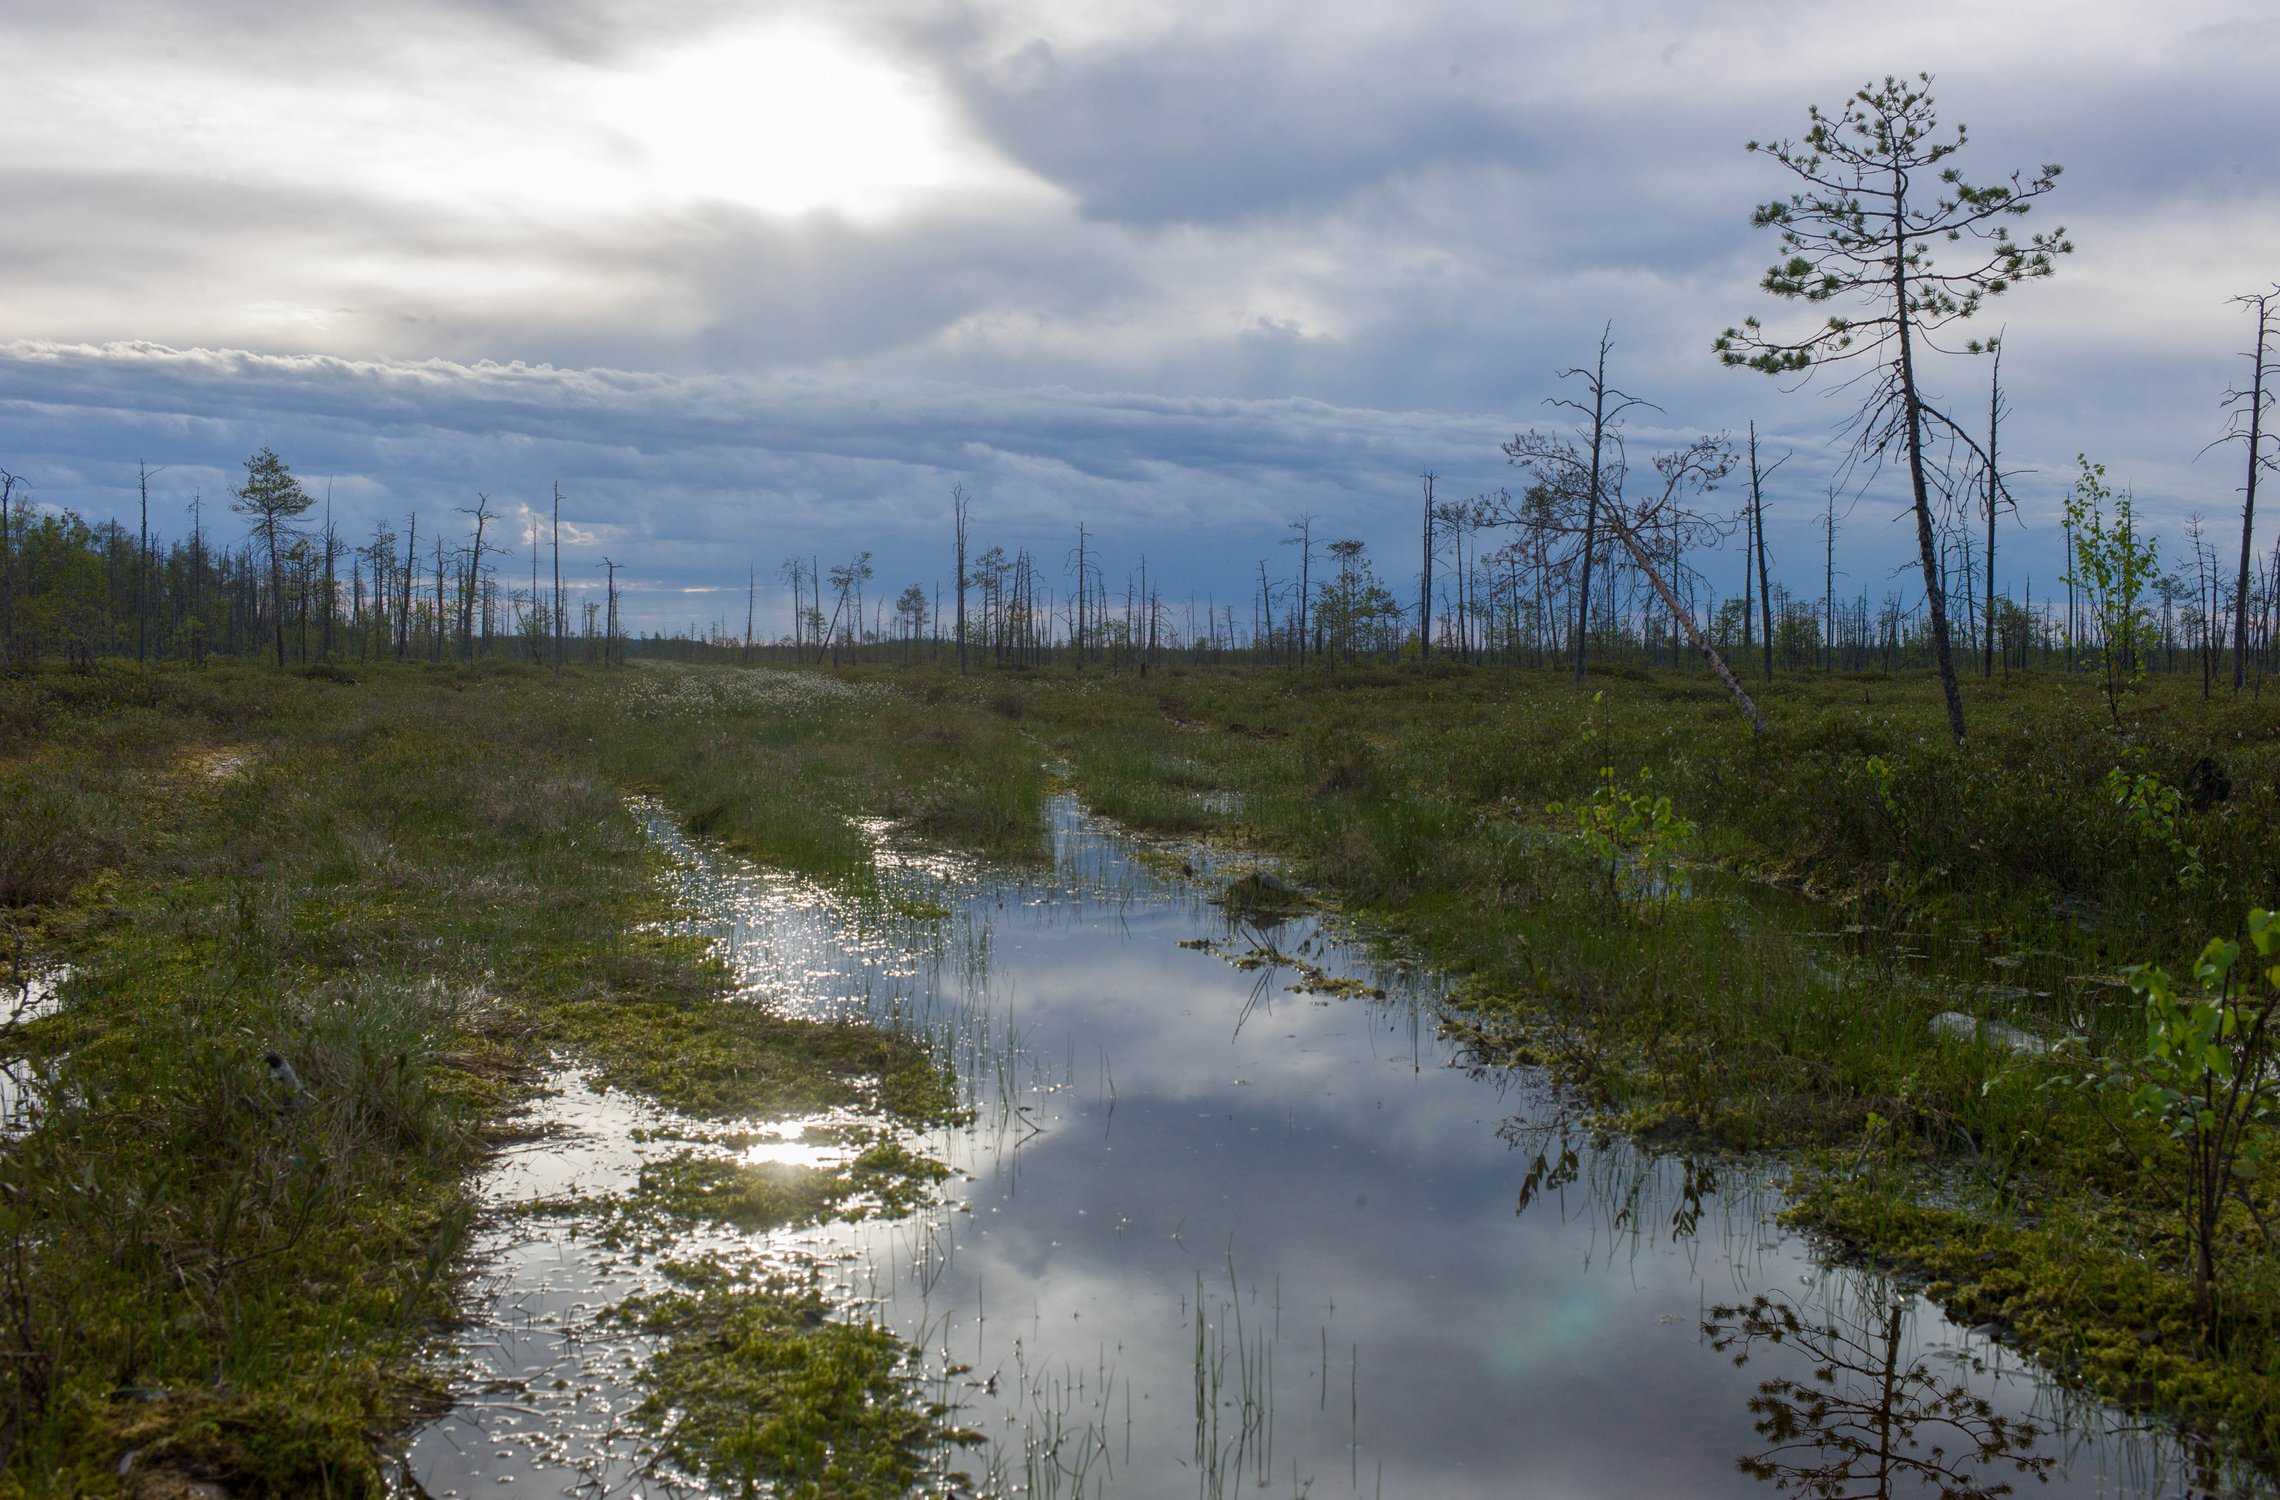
(1230, 1215)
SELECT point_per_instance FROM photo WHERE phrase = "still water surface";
(1229, 1221)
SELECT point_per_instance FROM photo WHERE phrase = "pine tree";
(1878, 196)
(273, 500)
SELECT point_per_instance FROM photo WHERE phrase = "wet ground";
(25, 996)
(1232, 1217)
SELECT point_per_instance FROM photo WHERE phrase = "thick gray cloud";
(688, 479)
(750, 284)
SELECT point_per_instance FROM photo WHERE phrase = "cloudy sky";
(751, 279)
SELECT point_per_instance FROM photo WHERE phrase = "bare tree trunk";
(958, 511)
(1829, 586)
(1926, 548)
(1994, 495)
(276, 589)
(1591, 501)
(404, 610)
(1764, 580)
(7, 567)
(1305, 587)
(1077, 605)
(2248, 506)
(482, 514)
(142, 561)
(1749, 580)
(435, 642)
(1425, 585)
(1685, 619)
(557, 621)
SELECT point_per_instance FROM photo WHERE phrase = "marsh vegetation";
(743, 1054)
(1031, 1055)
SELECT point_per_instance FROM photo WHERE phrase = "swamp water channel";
(1231, 1216)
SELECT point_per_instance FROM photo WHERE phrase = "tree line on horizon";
(1587, 555)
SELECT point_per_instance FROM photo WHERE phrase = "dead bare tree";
(793, 570)
(404, 586)
(481, 511)
(9, 483)
(559, 622)
(1758, 477)
(1425, 579)
(196, 617)
(143, 472)
(1084, 571)
(609, 643)
(2246, 411)
(1998, 494)
(1605, 413)
(1266, 609)
(1452, 519)
(961, 507)
(332, 580)
(1304, 542)
(435, 643)
(1587, 493)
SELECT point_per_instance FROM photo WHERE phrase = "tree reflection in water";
(1863, 1425)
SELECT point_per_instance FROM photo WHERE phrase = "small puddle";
(26, 1076)
(1232, 1216)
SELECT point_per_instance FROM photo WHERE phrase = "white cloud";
(1182, 271)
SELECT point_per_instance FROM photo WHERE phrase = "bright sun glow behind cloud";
(786, 120)
(789, 122)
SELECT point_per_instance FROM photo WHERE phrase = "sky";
(752, 281)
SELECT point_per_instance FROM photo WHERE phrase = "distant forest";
(1587, 556)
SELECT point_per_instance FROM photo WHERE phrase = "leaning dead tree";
(1578, 493)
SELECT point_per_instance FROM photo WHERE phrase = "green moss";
(2069, 1289)
(714, 1058)
(886, 1179)
(758, 1389)
(896, 1177)
(417, 887)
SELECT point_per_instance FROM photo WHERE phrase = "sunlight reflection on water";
(1217, 1223)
